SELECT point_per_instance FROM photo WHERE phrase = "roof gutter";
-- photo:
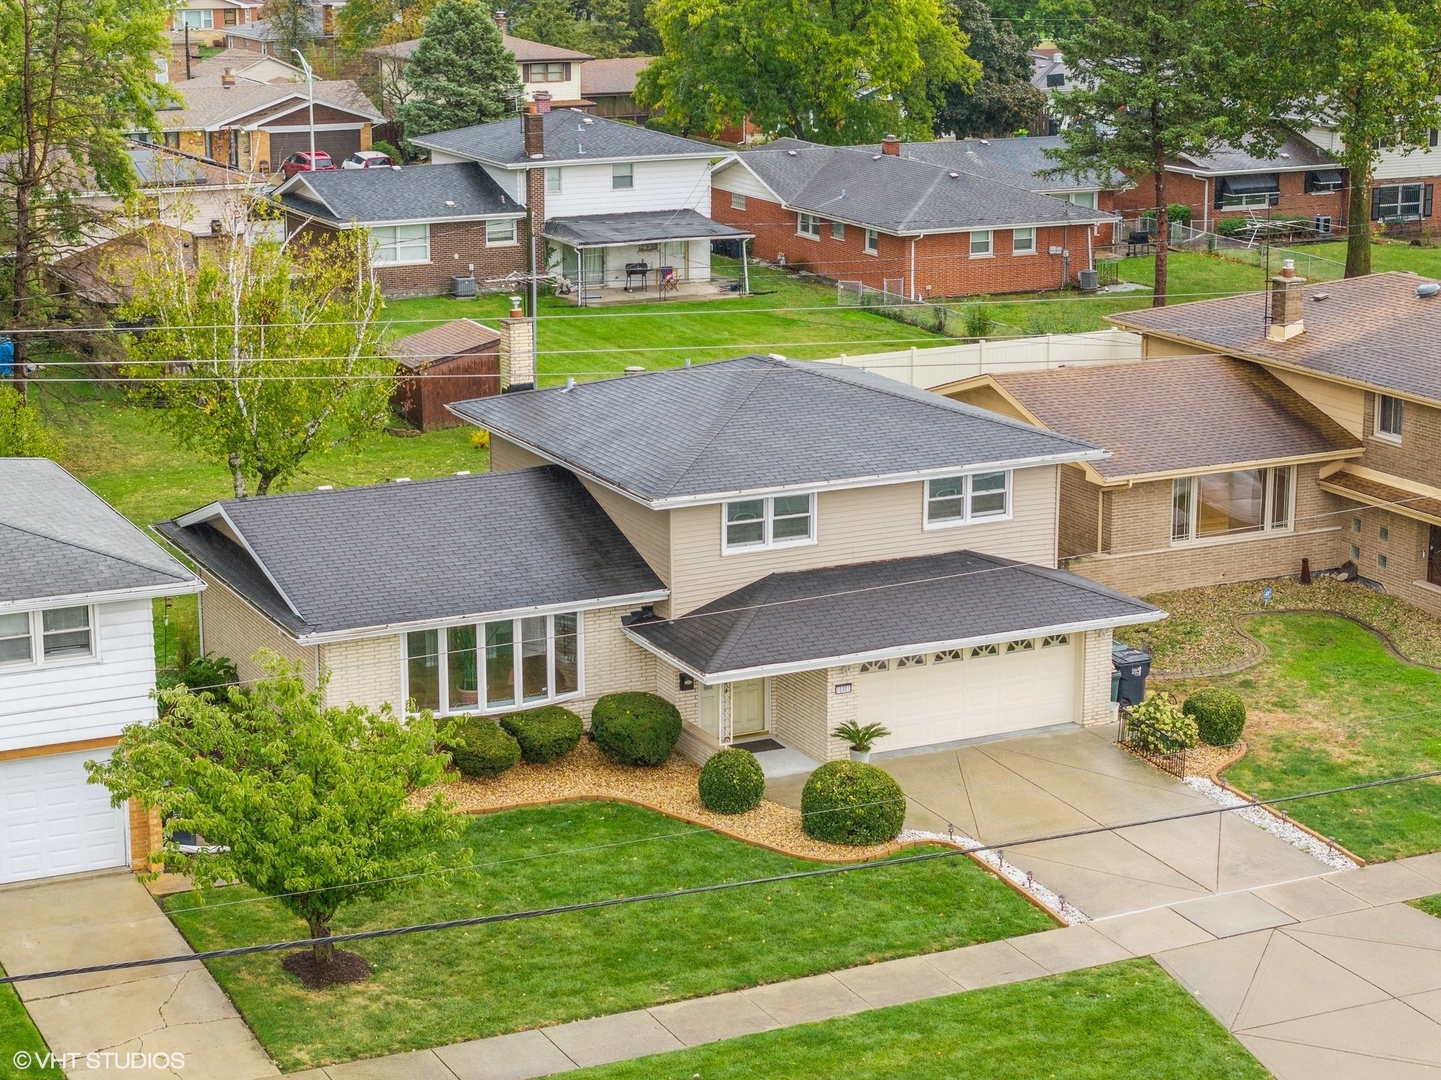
(182, 587)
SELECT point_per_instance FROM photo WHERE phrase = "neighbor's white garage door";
(53, 822)
(970, 693)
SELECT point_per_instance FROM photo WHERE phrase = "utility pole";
(187, 51)
(310, 82)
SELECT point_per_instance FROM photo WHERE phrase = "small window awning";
(1250, 184)
(1327, 178)
(647, 227)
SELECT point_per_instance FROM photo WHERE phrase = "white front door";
(933, 698)
(52, 822)
(748, 707)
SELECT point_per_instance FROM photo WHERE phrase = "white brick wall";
(231, 627)
(365, 672)
(1096, 677)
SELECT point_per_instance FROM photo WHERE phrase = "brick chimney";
(542, 101)
(533, 125)
(891, 145)
(517, 350)
(227, 78)
(501, 21)
(1287, 299)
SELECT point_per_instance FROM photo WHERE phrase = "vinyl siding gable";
(665, 184)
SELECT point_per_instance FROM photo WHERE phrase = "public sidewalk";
(1330, 976)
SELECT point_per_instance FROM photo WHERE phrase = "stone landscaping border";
(1294, 833)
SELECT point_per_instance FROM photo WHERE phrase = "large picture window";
(763, 523)
(400, 244)
(1231, 503)
(494, 666)
(1400, 201)
(959, 500)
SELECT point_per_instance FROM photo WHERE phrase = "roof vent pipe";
(1427, 289)
(570, 383)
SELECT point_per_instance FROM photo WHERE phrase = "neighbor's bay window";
(400, 244)
(958, 500)
(494, 666)
(764, 523)
(1232, 503)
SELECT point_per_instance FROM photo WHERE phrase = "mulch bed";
(344, 967)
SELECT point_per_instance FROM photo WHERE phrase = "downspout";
(1206, 204)
(915, 292)
(1100, 518)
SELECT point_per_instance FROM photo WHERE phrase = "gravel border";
(1286, 830)
(995, 861)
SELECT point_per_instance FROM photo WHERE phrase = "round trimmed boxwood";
(1220, 715)
(545, 734)
(731, 782)
(635, 728)
(850, 802)
(480, 748)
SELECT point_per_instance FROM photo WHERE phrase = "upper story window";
(228, 17)
(1388, 417)
(776, 522)
(554, 71)
(622, 175)
(959, 500)
(494, 666)
(195, 18)
(15, 647)
(1084, 198)
(1232, 503)
(552, 181)
(980, 243)
(400, 244)
(47, 636)
(808, 225)
(738, 201)
(838, 230)
(1023, 241)
(873, 242)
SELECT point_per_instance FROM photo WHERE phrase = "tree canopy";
(842, 72)
(22, 432)
(262, 355)
(305, 802)
(1002, 101)
(598, 27)
(461, 73)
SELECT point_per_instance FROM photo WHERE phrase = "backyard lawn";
(436, 988)
(19, 1037)
(1122, 1020)
(1330, 706)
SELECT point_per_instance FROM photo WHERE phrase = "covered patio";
(655, 255)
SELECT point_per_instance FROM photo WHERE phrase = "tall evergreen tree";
(1003, 101)
(461, 73)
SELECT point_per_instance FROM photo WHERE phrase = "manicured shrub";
(731, 782)
(635, 728)
(849, 802)
(1158, 724)
(479, 748)
(1220, 715)
(545, 734)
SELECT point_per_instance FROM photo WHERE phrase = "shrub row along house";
(1259, 431)
(765, 576)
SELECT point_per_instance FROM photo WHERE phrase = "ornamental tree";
(461, 73)
(1003, 99)
(307, 803)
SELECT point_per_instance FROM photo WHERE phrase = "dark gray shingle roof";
(847, 611)
(643, 227)
(369, 557)
(904, 195)
(754, 424)
(570, 135)
(58, 539)
(1013, 161)
(414, 193)
(1296, 152)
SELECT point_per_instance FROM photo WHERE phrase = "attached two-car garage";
(940, 697)
(52, 822)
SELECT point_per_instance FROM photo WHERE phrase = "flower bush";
(1157, 724)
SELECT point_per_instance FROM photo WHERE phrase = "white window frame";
(1383, 433)
(206, 20)
(1247, 201)
(738, 201)
(872, 244)
(1268, 525)
(501, 241)
(808, 225)
(988, 250)
(379, 245)
(1030, 238)
(768, 541)
(1383, 200)
(967, 495)
(35, 623)
(1083, 198)
(622, 176)
(554, 180)
(519, 704)
(838, 230)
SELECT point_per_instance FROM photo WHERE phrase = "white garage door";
(970, 693)
(53, 822)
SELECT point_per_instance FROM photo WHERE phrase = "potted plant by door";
(860, 737)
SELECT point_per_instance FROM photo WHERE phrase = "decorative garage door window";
(869, 666)
(1024, 645)
(986, 650)
(1053, 640)
(910, 661)
(947, 655)
(494, 666)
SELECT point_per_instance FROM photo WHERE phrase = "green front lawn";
(18, 1036)
(1330, 706)
(1431, 905)
(436, 988)
(1125, 1020)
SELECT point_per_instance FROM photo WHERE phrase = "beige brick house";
(750, 560)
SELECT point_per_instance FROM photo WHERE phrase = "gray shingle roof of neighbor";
(642, 227)
(570, 135)
(1295, 153)
(612, 76)
(358, 559)
(408, 193)
(903, 195)
(522, 49)
(811, 616)
(204, 104)
(1013, 161)
(758, 424)
(417, 351)
(59, 539)
(1374, 331)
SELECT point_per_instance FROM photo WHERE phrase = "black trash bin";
(1132, 665)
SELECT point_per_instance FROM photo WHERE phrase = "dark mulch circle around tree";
(344, 967)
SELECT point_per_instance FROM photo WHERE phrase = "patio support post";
(725, 715)
(745, 269)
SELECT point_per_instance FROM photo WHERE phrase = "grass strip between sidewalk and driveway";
(1128, 1019)
(432, 989)
(22, 1049)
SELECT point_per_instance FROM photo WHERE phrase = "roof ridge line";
(93, 551)
(677, 475)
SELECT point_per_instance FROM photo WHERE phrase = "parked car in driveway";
(306, 161)
(367, 159)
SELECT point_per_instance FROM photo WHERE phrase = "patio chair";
(669, 280)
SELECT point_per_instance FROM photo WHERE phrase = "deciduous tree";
(22, 432)
(1003, 100)
(461, 73)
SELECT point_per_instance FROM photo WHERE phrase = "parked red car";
(305, 161)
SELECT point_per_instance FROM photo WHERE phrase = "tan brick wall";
(365, 672)
(613, 663)
(799, 716)
(1404, 548)
(1418, 458)
(1095, 675)
(231, 627)
(145, 835)
(1079, 514)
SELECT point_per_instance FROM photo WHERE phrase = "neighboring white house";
(77, 664)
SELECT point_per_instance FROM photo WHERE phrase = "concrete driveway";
(1077, 778)
(177, 1008)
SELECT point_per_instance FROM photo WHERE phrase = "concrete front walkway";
(178, 1008)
